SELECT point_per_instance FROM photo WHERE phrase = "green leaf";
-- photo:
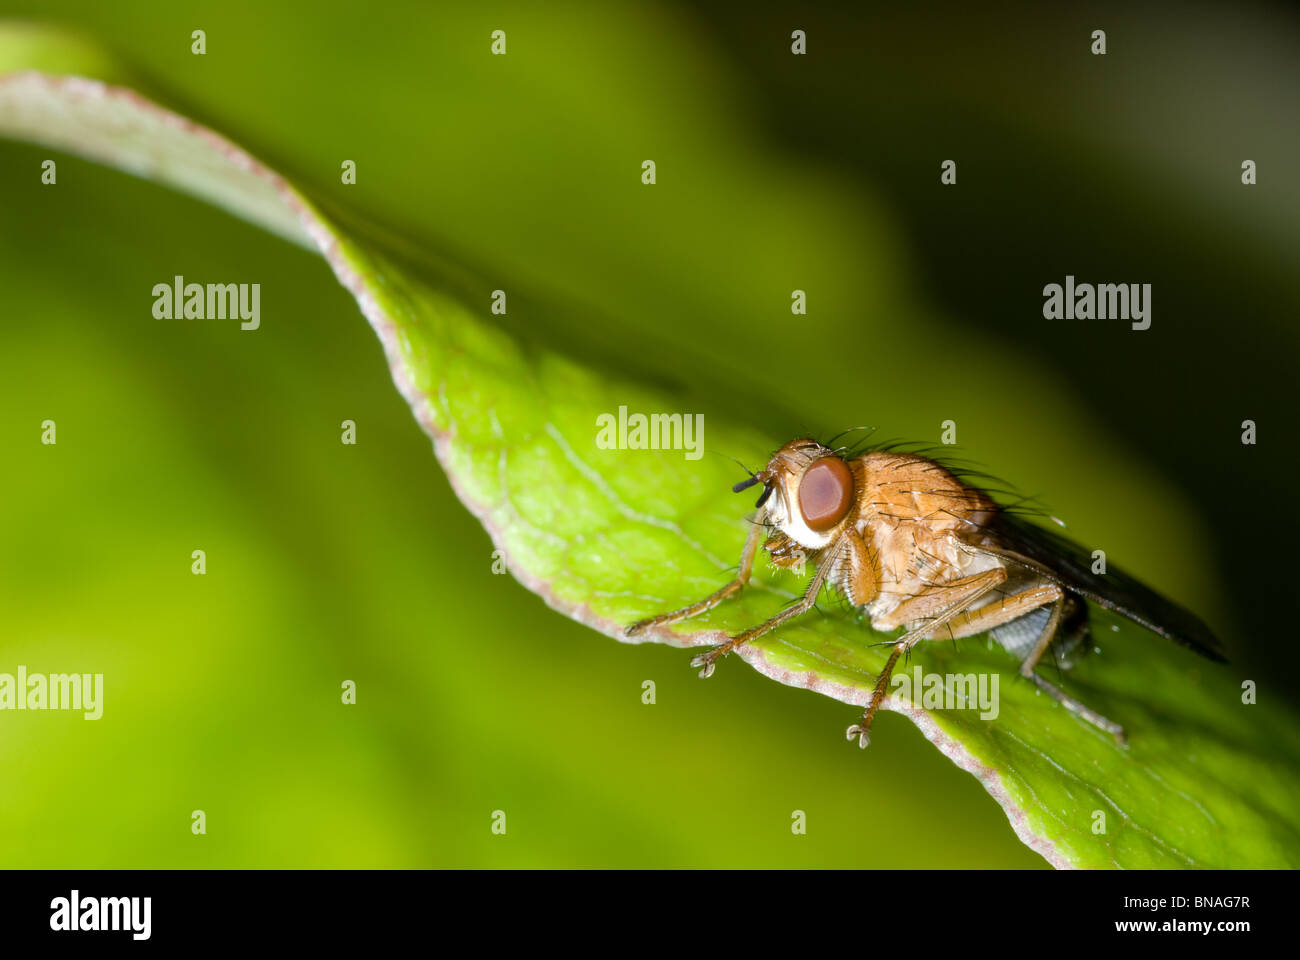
(607, 536)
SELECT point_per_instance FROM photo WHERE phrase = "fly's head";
(808, 493)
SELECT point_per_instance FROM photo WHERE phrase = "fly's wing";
(1069, 565)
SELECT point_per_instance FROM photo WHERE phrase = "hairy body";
(908, 542)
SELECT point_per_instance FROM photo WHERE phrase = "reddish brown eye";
(825, 492)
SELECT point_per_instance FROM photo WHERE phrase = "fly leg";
(717, 597)
(1017, 605)
(937, 605)
(1056, 693)
(706, 661)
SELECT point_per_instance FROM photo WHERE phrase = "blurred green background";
(329, 562)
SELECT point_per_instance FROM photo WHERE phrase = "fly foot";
(861, 731)
(705, 662)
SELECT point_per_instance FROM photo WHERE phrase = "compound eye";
(825, 492)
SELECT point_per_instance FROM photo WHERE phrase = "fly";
(905, 540)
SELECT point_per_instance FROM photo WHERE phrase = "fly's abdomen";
(1072, 640)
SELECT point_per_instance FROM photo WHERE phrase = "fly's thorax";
(898, 502)
(913, 509)
(905, 486)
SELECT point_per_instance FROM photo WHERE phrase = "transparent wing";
(1066, 563)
